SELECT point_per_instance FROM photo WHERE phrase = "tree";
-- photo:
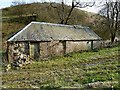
(63, 16)
(112, 11)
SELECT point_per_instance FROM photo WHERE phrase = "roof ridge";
(46, 23)
(63, 25)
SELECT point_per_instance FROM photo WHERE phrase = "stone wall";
(18, 53)
(50, 49)
(75, 46)
(21, 53)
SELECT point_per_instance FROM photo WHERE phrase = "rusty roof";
(41, 31)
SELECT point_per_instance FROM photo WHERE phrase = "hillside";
(17, 17)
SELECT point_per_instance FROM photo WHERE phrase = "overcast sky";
(7, 3)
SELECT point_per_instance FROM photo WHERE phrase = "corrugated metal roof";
(41, 31)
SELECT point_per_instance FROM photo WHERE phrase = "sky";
(8, 3)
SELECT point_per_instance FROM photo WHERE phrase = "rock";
(20, 58)
(7, 70)
(16, 57)
(8, 67)
(20, 65)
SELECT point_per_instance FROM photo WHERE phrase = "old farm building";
(40, 40)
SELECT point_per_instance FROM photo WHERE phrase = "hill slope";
(16, 17)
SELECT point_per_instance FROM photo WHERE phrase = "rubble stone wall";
(21, 53)
(18, 53)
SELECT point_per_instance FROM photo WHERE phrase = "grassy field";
(76, 70)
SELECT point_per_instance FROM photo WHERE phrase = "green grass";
(74, 70)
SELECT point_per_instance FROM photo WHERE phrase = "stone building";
(40, 40)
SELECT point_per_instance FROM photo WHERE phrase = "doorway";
(34, 50)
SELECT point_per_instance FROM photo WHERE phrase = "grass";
(74, 70)
(8, 28)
